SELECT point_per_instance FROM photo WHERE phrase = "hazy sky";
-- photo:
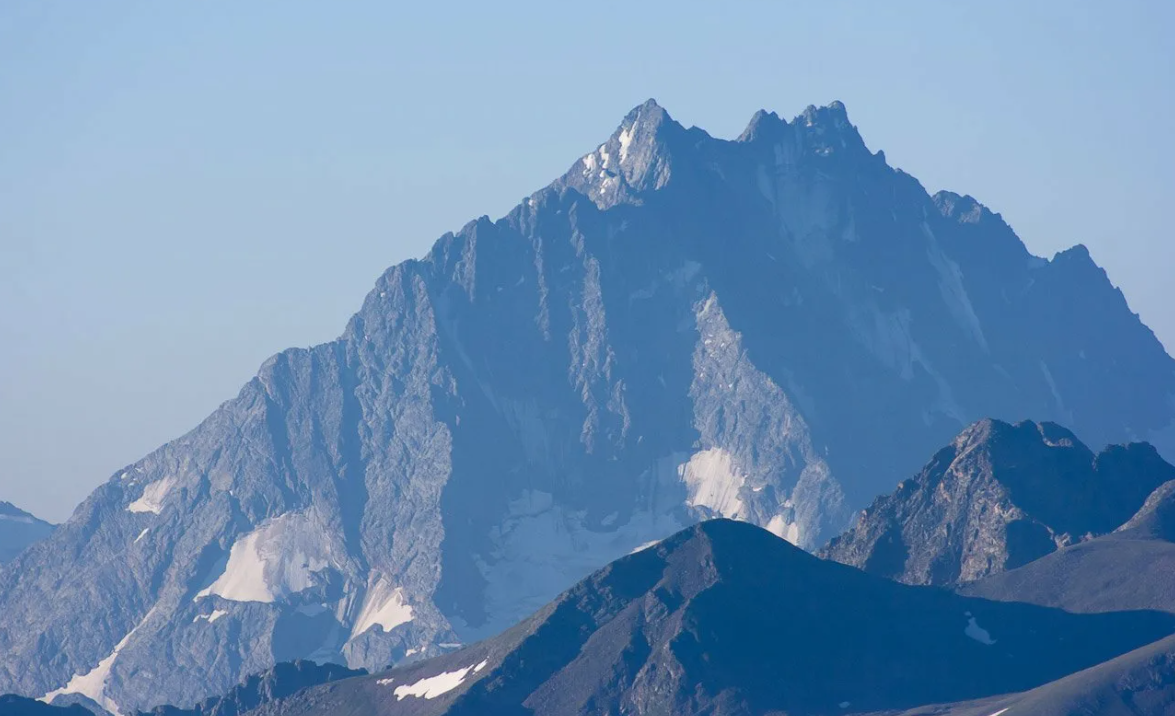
(187, 188)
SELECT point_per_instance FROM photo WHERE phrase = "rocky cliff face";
(999, 497)
(1133, 567)
(772, 329)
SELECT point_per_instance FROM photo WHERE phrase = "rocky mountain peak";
(822, 131)
(999, 496)
(964, 209)
(637, 158)
(680, 327)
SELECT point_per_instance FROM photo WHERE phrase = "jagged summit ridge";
(639, 156)
(772, 330)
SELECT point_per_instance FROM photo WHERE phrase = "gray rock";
(1131, 568)
(774, 328)
(999, 497)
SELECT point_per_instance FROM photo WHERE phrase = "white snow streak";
(434, 686)
(645, 546)
(92, 684)
(216, 614)
(1066, 415)
(384, 606)
(626, 141)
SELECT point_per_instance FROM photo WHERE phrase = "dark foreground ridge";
(725, 618)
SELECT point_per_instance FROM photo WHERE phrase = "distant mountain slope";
(725, 618)
(1000, 496)
(1139, 683)
(774, 328)
(279, 682)
(13, 705)
(1132, 568)
(19, 529)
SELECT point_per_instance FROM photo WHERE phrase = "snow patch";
(713, 482)
(780, 527)
(977, 632)
(153, 497)
(280, 558)
(434, 686)
(626, 141)
(92, 684)
(645, 546)
(210, 618)
(384, 605)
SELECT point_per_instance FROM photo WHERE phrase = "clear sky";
(187, 188)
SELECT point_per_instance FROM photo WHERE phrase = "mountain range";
(773, 329)
(725, 618)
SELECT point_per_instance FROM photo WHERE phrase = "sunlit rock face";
(773, 329)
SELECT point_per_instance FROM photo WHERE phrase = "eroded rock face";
(997, 498)
(772, 329)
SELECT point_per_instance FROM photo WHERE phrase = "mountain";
(1131, 568)
(1139, 683)
(18, 529)
(726, 618)
(998, 497)
(774, 328)
(276, 683)
(13, 705)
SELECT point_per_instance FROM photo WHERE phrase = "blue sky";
(187, 188)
